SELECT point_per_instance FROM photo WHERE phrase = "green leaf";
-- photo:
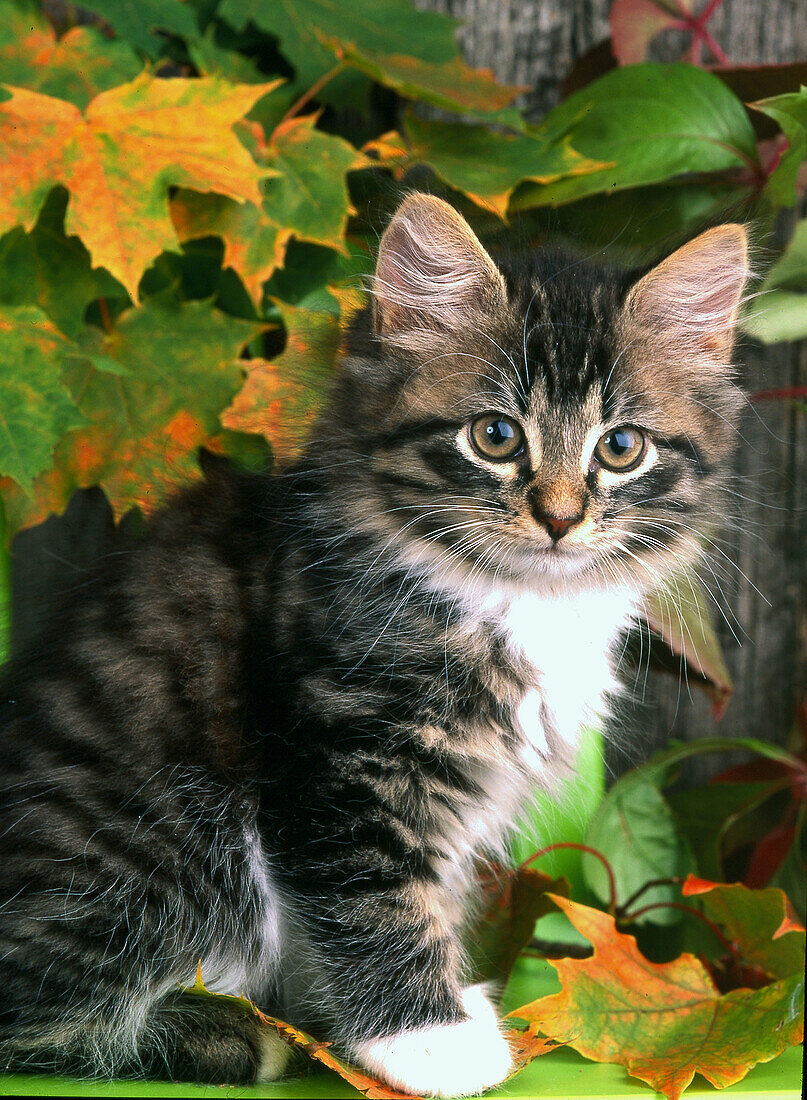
(450, 85)
(307, 194)
(35, 407)
(140, 22)
(48, 269)
(635, 830)
(178, 371)
(413, 51)
(75, 67)
(760, 922)
(778, 311)
(487, 166)
(790, 113)
(651, 123)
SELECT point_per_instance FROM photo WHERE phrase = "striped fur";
(277, 733)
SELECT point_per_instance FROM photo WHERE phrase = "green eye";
(621, 449)
(496, 437)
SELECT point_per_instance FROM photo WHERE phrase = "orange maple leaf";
(119, 158)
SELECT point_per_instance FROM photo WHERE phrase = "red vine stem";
(106, 319)
(315, 88)
(625, 906)
(612, 904)
(730, 947)
(775, 395)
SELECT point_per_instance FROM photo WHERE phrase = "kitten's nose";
(557, 526)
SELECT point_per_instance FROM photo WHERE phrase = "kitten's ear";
(692, 298)
(431, 272)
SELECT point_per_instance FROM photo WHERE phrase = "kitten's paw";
(447, 1059)
(274, 1056)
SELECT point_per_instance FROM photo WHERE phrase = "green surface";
(563, 1073)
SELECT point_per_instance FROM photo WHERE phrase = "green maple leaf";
(75, 67)
(138, 430)
(140, 21)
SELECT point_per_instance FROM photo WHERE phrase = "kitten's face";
(545, 422)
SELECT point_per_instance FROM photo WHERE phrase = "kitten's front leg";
(382, 930)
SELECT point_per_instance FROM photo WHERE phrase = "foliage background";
(191, 192)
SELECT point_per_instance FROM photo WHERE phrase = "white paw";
(444, 1060)
(275, 1055)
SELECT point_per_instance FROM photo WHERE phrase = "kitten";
(277, 733)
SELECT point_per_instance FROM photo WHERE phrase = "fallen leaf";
(664, 1022)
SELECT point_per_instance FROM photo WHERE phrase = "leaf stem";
(612, 903)
(624, 908)
(106, 318)
(314, 90)
(775, 395)
(730, 947)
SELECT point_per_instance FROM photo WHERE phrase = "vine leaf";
(485, 165)
(762, 923)
(664, 1022)
(652, 123)
(281, 396)
(119, 159)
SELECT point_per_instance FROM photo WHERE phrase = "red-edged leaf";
(635, 23)
(762, 924)
(664, 1022)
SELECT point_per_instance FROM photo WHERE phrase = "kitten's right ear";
(431, 272)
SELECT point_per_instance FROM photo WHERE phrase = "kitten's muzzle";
(557, 526)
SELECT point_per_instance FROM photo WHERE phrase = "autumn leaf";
(761, 923)
(486, 165)
(281, 396)
(119, 158)
(664, 1022)
(75, 67)
(513, 899)
(141, 427)
(45, 268)
(254, 245)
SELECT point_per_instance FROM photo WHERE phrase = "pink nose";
(557, 526)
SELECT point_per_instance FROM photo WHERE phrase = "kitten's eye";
(622, 449)
(496, 437)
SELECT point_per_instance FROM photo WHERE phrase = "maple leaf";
(306, 193)
(140, 21)
(282, 396)
(141, 427)
(761, 923)
(119, 158)
(664, 1022)
(513, 900)
(35, 406)
(76, 66)
(413, 51)
(254, 245)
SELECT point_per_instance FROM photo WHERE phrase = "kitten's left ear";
(691, 300)
(432, 273)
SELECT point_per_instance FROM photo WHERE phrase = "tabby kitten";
(277, 734)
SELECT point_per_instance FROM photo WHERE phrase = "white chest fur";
(566, 643)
